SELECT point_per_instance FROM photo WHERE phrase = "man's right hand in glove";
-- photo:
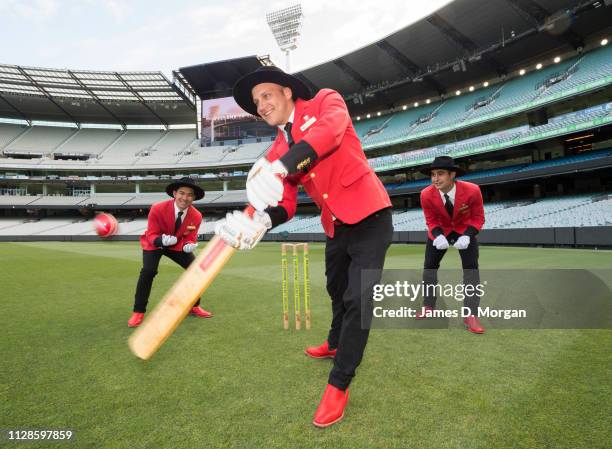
(168, 240)
(241, 231)
(440, 242)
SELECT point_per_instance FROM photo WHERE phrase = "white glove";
(189, 247)
(462, 242)
(264, 186)
(440, 242)
(239, 230)
(168, 240)
(263, 218)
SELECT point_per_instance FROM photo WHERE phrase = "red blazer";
(467, 194)
(161, 221)
(340, 180)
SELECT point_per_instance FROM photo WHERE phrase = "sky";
(131, 35)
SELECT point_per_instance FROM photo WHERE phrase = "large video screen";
(223, 120)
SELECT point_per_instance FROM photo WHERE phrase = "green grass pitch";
(239, 381)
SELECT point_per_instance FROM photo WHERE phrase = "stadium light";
(457, 92)
(486, 84)
(538, 66)
(358, 118)
(378, 114)
(471, 89)
(428, 101)
(285, 25)
(557, 60)
(404, 107)
(416, 104)
(604, 42)
(522, 72)
(368, 116)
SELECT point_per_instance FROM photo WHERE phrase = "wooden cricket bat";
(177, 302)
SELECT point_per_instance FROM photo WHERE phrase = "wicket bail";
(296, 284)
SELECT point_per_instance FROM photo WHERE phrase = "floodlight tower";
(285, 25)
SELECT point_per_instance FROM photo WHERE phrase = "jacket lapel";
(169, 215)
(459, 199)
(298, 120)
(438, 202)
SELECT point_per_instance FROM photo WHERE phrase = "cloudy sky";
(127, 35)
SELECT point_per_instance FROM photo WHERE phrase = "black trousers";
(150, 263)
(354, 248)
(469, 263)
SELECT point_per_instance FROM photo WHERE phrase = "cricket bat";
(181, 297)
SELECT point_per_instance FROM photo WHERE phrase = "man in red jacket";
(172, 231)
(317, 147)
(454, 214)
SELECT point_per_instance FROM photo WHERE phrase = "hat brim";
(244, 86)
(455, 168)
(197, 190)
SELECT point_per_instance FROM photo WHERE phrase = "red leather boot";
(200, 312)
(331, 407)
(473, 324)
(320, 352)
(135, 319)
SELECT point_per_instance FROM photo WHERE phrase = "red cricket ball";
(105, 225)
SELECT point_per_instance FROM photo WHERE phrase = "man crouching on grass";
(454, 214)
(172, 231)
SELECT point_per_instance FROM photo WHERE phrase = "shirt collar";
(290, 120)
(177, 210)
(451, 194)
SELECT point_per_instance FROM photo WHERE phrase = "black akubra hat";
(185, 182)
(267, 74)
(443, 163)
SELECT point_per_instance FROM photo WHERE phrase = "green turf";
(239, 381)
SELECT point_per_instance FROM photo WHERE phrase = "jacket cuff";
(278, 215)
(299, 157)
(436, 231)
(158, 242)
(471, 231)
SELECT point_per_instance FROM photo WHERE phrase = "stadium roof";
(464, 42)
(216, 79)
(78, 96)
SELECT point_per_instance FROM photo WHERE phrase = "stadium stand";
(123, 151)
(234, 196)
(248, 153)
(593, 66)
(203, 155)
(89, 141)
(503, 99)
(9, 132)
(130, 146)
(39, 139)
(168, 149)
(63, 201)
(238, 197)
(133, 227)
(575, 211)
(142, 148)
(522, 90)
(133, 130)
(17, 200)
(594, 116)
(457, 109)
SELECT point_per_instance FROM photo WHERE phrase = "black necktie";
(448, 205)
(289, 136)
(177, 223)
